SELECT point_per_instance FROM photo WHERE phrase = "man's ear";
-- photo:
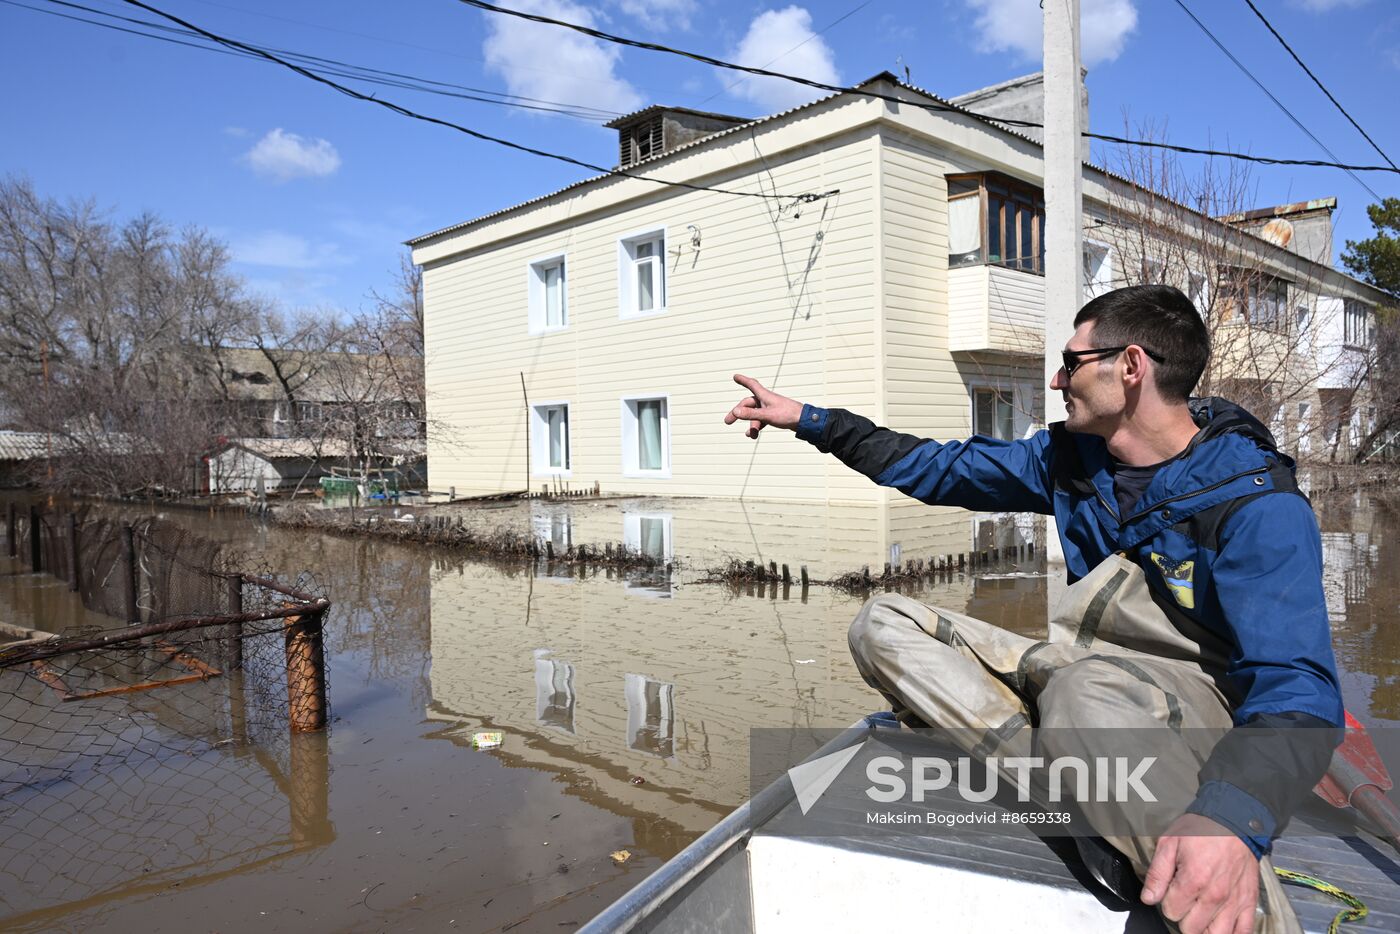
(1134, 366)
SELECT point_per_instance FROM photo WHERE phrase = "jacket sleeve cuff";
(811, 426)
(1239, 811)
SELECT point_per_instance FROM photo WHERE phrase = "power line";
(841, 89)
(1270, 94)
(437, 121)
(1318, 82)
(843, 17)
(317, 63)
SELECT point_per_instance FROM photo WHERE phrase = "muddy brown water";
(625, 701)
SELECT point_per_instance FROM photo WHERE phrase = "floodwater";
(625, 701)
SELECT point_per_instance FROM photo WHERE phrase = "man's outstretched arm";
(979, 473)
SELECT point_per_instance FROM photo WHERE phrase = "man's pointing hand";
(764, 407)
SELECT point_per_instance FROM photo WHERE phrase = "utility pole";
(1064, 205)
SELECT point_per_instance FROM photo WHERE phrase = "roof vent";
(658, 129)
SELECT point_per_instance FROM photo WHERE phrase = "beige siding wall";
(927, 386)
(786, 296)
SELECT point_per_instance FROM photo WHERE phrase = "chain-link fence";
(172, 748)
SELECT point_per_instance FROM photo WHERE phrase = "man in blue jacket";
(1197, 496)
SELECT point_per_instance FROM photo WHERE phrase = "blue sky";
(314, 192)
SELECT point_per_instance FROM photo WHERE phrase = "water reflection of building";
(651, 716)
(650, 703)
(828, 539)
(554, 691)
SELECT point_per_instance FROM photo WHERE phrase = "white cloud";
(1325, 6)
(282, 156)
(783, 40)
(660, 15)
(555, 64)
(281, 250)
(1015, 26)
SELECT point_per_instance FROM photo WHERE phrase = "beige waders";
(1113, 661)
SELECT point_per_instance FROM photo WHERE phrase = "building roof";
(315, 376)
(23, 445)
(305, 448)
(636, 115)
(1281, 210)
(937, 102)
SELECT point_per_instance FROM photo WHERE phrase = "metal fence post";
(11, 536)
(234, 584)
(306, 674)
(129, 579)
(36, 560)
(74, 575)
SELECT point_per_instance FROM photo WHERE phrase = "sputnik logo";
(810, 780)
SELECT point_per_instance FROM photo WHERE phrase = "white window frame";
(1356, 323)
(535, 283)
(630, 455)
(539, 440)
(1199, 297)
(627, 275)
(1103, 282)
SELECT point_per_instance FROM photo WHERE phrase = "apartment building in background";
(883, 255)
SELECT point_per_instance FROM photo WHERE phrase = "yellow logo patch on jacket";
(1178, 575)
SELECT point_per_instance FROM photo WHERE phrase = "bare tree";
(1193, 231)
(99, 324)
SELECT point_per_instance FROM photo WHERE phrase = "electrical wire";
(836, 22)
(1317, 81)
(1270, 94)
(336, 68)
(438, 121)
(876, 95)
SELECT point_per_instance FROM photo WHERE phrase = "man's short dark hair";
(1158, 318)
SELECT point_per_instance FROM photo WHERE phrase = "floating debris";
(489, 739)
(620, 856)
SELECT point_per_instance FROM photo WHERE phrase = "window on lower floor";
(993, 415)
(646, 437)
(550, 430)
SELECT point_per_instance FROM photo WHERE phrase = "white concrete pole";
(1064, 203)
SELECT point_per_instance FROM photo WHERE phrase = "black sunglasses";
(1072, 362)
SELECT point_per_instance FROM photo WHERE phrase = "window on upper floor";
(1260, 299)
(1303, 319)
(1356, 324)
(995, 220)
(1196, 291)
(1098, 268)
(549, 302)
(642, 274)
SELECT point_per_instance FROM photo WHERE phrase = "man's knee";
(1085, 694)
(881, 622)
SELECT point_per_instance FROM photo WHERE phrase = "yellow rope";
(1355, 912)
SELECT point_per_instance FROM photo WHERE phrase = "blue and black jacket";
(1225, 539)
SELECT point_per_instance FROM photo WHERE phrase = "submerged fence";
(178, 744)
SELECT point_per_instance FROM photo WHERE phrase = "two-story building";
(884, 256)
